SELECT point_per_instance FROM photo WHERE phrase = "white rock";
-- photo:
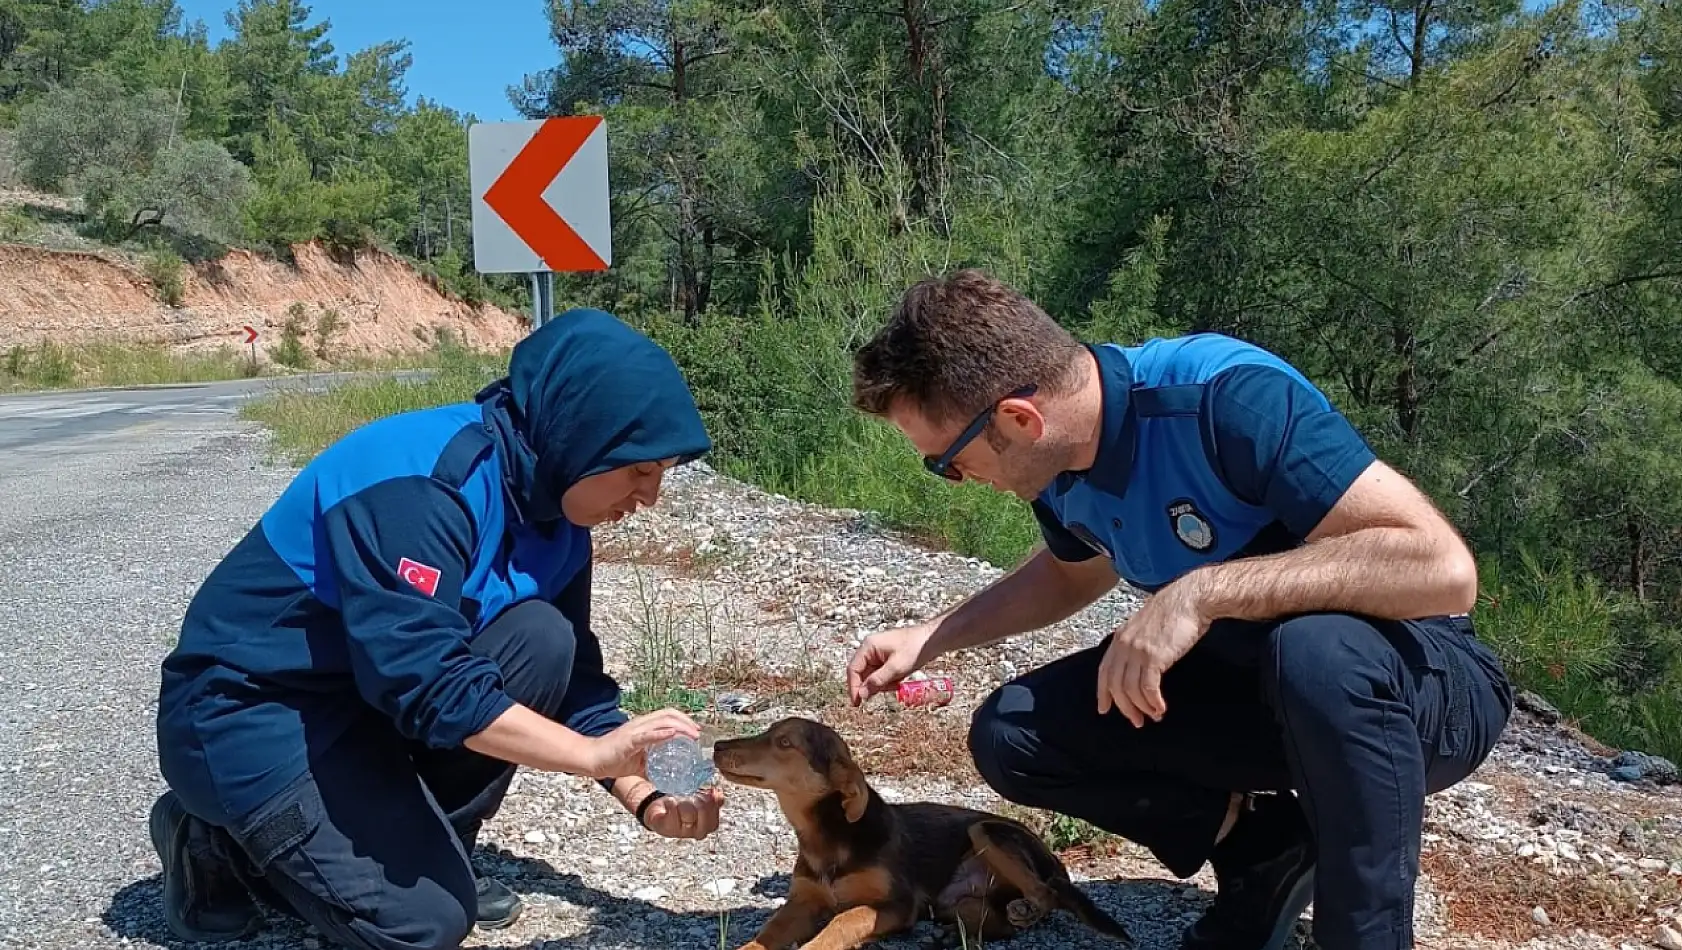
(720, 887)
(1527, 850)
(1667, 938)
(536, 837)
(1540, 916)
(649, 893)
(1651, 864)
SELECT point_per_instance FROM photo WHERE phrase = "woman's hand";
(622, 751)
(685, 816)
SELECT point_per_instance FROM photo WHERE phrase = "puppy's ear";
(847, 778)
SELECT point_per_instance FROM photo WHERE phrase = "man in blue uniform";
(1302, 674)
(357, 681)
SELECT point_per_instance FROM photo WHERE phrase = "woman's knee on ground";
(534, 645)
(438, 923)
(421, 911)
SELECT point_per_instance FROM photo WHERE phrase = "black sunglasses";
(943, 466)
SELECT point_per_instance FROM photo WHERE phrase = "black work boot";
(204, 900)
(1264, 869)
(498, 906)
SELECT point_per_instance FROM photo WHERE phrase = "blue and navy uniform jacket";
(359, 589)
(1212, 449)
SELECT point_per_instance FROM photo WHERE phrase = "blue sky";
(466, 54)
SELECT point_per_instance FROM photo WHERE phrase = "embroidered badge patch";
(1193, 530)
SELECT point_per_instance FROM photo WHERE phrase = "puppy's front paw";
(1024, 913)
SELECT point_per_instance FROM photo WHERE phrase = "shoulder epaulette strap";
(1182, 400)
(461, 453)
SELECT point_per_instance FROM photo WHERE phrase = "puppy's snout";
(728, 753)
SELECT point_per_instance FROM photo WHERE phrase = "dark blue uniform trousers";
(1360, 718)
(372, 846)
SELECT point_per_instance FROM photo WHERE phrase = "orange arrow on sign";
(517, 196)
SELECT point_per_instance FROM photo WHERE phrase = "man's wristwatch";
(642, 809)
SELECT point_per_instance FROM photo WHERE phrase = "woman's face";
(615, 493)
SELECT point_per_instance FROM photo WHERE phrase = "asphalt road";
(35, 420)
(113, 507)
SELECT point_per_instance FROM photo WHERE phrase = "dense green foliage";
(1459, 216)
(266, 140)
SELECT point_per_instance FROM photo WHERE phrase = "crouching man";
(1304, 671)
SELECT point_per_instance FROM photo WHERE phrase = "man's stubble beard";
(1029, 470)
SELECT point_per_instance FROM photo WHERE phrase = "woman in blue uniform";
(357, 681)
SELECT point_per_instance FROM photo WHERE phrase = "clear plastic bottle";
(679, 766)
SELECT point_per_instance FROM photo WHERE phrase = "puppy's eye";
(784, 742)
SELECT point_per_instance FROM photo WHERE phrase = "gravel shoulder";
(720, 588)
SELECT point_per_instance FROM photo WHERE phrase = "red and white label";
(419, 576)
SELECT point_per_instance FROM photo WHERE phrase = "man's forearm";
(1036, 593)
(1394, 573)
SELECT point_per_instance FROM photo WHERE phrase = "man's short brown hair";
(956, 344)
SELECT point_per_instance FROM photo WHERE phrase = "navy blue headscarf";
(585, 393)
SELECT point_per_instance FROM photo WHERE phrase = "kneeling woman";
(357, 681)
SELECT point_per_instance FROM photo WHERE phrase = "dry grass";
(900, 742)
(1491, 896)
(47, 366)
(887, 740)
(682, 560)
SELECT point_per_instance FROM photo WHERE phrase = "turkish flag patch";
(419, 576)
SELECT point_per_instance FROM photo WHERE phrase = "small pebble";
(1540, 916)
(1668, 938)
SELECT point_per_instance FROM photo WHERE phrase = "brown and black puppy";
(868, 868)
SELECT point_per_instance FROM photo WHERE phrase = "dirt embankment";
(383, 306)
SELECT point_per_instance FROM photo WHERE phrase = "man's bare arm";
(1383, 550)
(1037, 593)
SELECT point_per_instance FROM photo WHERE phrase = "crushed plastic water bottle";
(679, 766)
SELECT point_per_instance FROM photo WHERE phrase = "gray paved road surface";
(113, 505)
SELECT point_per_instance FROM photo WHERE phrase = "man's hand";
(621, 752)
(1142, 649)
(886, 658)
(687, 816)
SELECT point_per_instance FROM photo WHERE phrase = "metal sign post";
(542, 298)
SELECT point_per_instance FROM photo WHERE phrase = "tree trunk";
(1407, 383)
(1637, 556)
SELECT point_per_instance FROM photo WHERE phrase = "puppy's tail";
(1075, 901)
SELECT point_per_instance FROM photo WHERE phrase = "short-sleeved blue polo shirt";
(1212, 449)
